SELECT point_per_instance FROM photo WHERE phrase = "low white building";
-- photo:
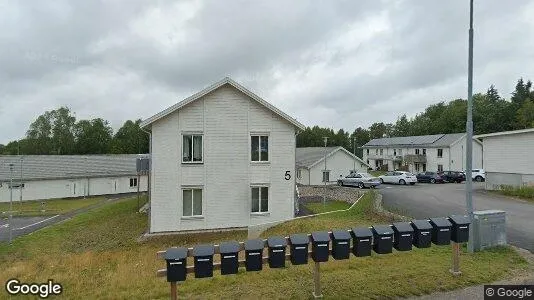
(439, 152)
(508, 158)
(68, 176)
(222, 158)
(339, 163)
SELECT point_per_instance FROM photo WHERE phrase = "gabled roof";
(307, 157)
(504, 133)
(41, 167)
(213, 87)
(435, 140)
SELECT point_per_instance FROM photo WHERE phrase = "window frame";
(440, 156)
(134, 181)
(260, 135)
(325, 172)
(192, 134)
(259, 186)
(299, 173)
(424, 151)
(417, 151)
(192, 189)
(439, 165)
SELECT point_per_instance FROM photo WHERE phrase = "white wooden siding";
(509, 153)
(227, 173)
(64, 188)
(340, 163)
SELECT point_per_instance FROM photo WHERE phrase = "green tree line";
(58, 132)
(491, 113)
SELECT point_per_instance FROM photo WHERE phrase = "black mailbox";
(176, 264)
(403, 233)
(229, 257)
(460, 228)
(340, 244)
(422, 237)
(320, 245)
(277, 252)
(361, 245)
(299, 248)
(382, 239)
(254, 255)
(441, 231)
(203, 256)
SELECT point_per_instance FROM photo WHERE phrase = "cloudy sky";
(331, 63)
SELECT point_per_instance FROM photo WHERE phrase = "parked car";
(399, 177)
(431, 177)
(360, 180)
(478, 175)
(452, 176)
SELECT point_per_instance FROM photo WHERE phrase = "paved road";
(433, 200)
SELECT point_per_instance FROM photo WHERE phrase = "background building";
(66, 176)
(508, 158)
(339, 163)
(439, 152)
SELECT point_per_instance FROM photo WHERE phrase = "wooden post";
(174, 295)
(455, 270)
(317, 281)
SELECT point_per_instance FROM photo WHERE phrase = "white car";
(398, 177)
(478, 175)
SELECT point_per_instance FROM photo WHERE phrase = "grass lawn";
(96, 255)
(51, 207)
(318, 207)
(377, 173)
(524, 192)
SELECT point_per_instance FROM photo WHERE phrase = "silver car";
(361, 180)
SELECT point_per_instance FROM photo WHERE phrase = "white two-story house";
(222, 158)
(436, 153)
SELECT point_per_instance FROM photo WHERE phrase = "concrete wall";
(67, 188)
(226, 118)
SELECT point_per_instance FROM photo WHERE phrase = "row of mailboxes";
(380, 238)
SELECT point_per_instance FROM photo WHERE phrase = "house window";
(424, 167)
(440, 153)
(260, 199)
(381, 151)
(440, 168)
(367, 151)
(424, 151)
(416, 167)
(259, 148)
(133, 182)
(326, 176)
(192, 148)
(416, 151)
(299, 174)
(376, 151)
(395, 152)
(192, 202)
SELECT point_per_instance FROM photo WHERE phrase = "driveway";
(433, 200)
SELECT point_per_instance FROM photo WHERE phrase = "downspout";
(149, 189)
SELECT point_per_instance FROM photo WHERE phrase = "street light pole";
(354, 152)
(469, 129)
(20, 200)
(325, 139)
(11, 203)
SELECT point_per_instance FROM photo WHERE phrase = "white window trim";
(440, 156)
(136, 182)
(260, 213)
(182, 148)
(195, 187)
(260, 134)
(322, 175)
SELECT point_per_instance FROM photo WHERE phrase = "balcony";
(385, 157)
(415, 158)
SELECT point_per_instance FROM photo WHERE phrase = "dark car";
(453, 176)
(431, 177)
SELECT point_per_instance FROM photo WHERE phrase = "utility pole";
(11, 203)
(354, 152)
(20, 200)
(325, 139)
(469, 129)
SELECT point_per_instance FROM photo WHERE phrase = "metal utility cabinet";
(489, 229)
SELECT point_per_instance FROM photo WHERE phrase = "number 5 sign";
(287, 175)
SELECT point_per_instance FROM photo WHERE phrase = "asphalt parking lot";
(435, 200)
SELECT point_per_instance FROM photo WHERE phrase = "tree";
(63, 131)
(40, 134)
(360, 136)
(525, 115)
(130, 139)
(93, 136)
(402, 127)
(378, 130)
